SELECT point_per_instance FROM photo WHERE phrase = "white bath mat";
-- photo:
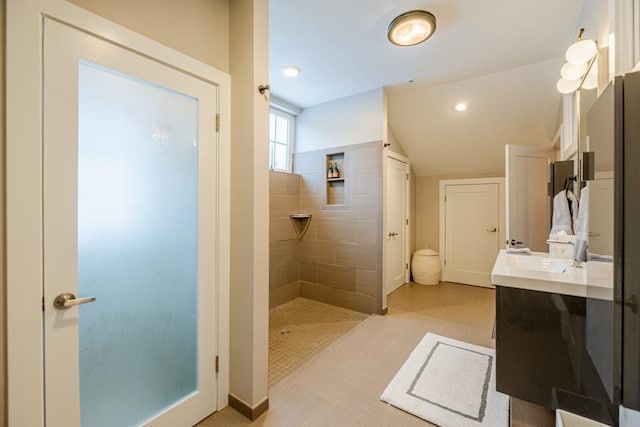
(449, 383)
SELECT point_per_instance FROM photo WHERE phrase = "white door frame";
(24, 210)
(442, 210)
(407, 227)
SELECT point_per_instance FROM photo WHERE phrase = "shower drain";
(285, 332)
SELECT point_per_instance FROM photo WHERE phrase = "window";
(281, 137)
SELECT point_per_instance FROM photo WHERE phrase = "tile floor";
(341, 385)
(300, 329)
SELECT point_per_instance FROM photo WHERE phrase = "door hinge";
(406, 221)
(445, 262)
(217, 122)
(42, 303)
(445, 199)
(406, 266)
(217, 364)
(407, 177)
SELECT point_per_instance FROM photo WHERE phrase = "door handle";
(492, 229)
(68, 300)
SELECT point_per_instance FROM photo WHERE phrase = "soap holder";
(300, 223)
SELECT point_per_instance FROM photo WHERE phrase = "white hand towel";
(561, 214)
(574, 209)
(519, 251)
(582, 226)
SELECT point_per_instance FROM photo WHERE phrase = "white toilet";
(425, 267)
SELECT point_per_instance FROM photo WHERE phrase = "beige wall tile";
(277, 276)
(318, 251)
(293, 271)
(339, 297)
(311, 162)
(337, 230)
(284, 294)
(366, 181)
(365, 206)
(308, 272)
(293, 184)
(312, 184)
(283, 252)
(365, 158)
(367, 282)
(359, 256)
(281, 229)
(312, 231)
(283, 205)
(311, 204)
(336, 276)
(277, 183)
(367, 232)
(336, 193)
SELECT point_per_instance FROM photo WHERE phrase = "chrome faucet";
(577, 263)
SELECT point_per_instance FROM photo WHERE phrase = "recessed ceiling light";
(411, 28)
(290, 71)
(461, 106)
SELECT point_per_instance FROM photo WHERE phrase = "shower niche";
(335, 194)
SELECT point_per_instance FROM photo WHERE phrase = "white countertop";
(540, 272)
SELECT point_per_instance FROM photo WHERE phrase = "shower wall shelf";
(300, 223)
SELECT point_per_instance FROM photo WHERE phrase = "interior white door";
(129, 218)
(395, 214)
(528, 202)
(472, 218)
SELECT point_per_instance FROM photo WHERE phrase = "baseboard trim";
(246, 410)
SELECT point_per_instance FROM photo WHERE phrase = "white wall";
(198, 28)
(595, 19)
(249, 323)
(346, 121)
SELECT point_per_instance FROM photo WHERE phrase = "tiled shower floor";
(300, 329)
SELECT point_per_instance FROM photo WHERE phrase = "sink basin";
(540, 272)
(541, 262)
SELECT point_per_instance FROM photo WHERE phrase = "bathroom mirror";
(597, 150)
(598, 157)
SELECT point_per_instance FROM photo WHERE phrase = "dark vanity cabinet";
(555, 351)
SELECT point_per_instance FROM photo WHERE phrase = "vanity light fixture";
(579, 71)
(290, 71)
(461, 106)
(411, 28)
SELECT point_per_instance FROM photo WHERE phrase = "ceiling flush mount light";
(579, 71)
(461, 106)
(411, 28)
(290, 71)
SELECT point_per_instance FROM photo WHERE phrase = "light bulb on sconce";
(567, 87)
(590, 82)
(581, 52)
(573, 72)
(580, 70)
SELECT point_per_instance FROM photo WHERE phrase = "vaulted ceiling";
(501, 56)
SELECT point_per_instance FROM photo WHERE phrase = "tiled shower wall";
(284, 254)
(341, 254)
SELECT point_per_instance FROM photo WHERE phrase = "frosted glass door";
(128, 220)
(137, 247)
